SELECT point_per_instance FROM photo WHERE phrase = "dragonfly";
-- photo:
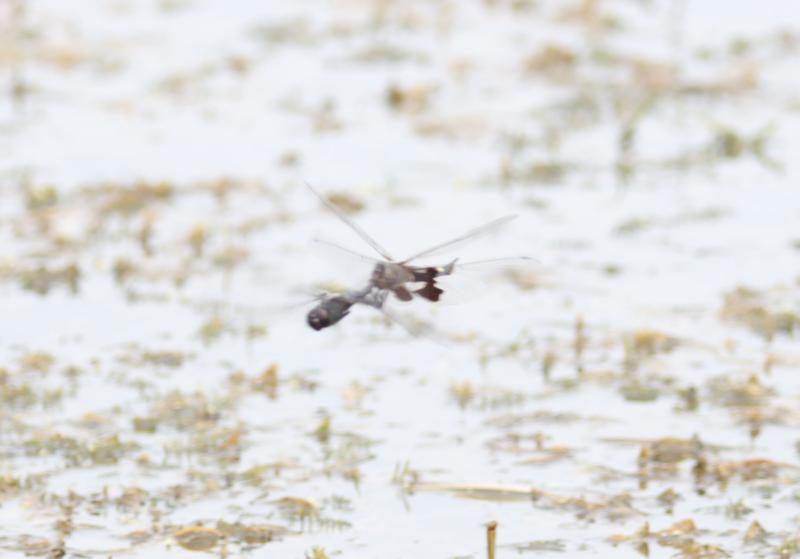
(400, 278)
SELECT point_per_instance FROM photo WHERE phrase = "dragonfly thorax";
(389, 275)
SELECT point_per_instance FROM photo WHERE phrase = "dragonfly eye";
(318, 318)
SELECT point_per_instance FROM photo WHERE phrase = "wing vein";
(469, 235)
(352, 224)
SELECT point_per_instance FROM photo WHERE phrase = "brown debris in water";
(198, 538)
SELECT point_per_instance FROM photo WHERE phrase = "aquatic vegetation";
(296, 508)
(317, 553)
(639, 392)
(42, 279)
(75, 452)
(634, 393)
(411, 100)
(252, 534)
(555, 61)
(198, 538)
(749, 308)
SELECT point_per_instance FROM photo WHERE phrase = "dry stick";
(579, 344)
(491, 536)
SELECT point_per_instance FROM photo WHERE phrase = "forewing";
(352, 224)
(345, 250)
(470, 235)
(474, 280)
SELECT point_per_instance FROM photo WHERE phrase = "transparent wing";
(503, 260)
(414, 327)
(468, 281)
(470, 235)
(349, 268)
(296, 301)
(459, 265)
(346, 250)
(352, 224)
(472, 281)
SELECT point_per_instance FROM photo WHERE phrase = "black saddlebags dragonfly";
(400, 278)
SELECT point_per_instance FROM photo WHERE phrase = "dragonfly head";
(318, 318)
(330, 311)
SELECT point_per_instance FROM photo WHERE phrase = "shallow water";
(632, 392)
